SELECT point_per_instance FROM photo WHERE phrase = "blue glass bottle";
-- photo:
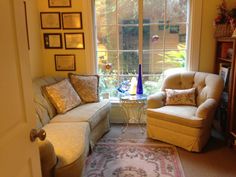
(139, 84)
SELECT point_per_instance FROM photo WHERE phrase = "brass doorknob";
(34, 133)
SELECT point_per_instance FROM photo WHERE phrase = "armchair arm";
(47, 157)
(206, 109)
(156, 100)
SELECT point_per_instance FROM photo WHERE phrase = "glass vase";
(139, 90)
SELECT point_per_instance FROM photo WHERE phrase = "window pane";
(109, 84)
(128, 62)
(174, 59)
(107, 36)
(153, 36)
(175, 36)
(176, 11)
(107, 62)
(153, 11)
(105, 11)
(152, 83)
(127, 11)
(153, 62)
(128, 37)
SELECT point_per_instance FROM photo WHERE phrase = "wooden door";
(19, 157)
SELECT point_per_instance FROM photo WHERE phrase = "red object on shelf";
(224, 49)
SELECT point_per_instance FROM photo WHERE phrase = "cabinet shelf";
(224, 59)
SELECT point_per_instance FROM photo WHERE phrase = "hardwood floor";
(216, 160)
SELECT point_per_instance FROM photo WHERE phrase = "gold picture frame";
(65, 62)
(50, 20)
(59, 3)
(52, 40)
(74, 40)
(72, 20)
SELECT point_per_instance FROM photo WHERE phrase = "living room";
(44, 40)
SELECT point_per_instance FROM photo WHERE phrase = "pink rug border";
(142, 142)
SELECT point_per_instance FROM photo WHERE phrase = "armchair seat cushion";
(92, 113)
(183, 115)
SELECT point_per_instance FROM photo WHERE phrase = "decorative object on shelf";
(224, 72)
(139, 84)
(222, 17)
(223, 30)
(50, 20)
(224, 22)
(52, 40)
(232, 17)
(234, 34)
(74, 40)
(72, 20)
(65, 62)
(59, 3)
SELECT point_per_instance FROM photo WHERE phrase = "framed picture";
(174, 28)
(74, 40)
(50, 20)
(65, 62)
(72, 20)
(224, 72)
(59, 3)
(52, 40)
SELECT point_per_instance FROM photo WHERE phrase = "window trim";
(194, 35)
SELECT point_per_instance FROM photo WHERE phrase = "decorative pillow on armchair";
(180, 97)
(62, 95)
(86, 86)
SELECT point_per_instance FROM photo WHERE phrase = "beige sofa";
(185, 126)
(69, 135)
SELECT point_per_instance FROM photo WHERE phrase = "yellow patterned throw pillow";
(86, 86)
(62, 95)
(180, 97)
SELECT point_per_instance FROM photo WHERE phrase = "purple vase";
(139, 84)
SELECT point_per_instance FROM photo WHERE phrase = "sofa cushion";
(180, 97)
(39, 124)
(69, 141)
(184, 115)
(90, 112)
(86, 86)
(62, 95)
(41, 113)
(40, 98)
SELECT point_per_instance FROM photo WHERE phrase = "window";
(159, 26)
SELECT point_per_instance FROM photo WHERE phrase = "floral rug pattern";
(131, 158)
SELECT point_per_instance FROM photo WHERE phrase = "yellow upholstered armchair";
(187, 126)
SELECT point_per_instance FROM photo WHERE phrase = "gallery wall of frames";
(62, 31)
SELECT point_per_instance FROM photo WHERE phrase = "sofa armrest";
(48, 158)
(206, 109)
(156, 100)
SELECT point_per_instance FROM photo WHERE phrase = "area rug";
(133, 158)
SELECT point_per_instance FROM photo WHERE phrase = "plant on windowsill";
(224, 22)
(232, 15)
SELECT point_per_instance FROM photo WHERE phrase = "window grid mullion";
(118, 42)
(164, 36)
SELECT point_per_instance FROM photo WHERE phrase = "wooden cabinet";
(225, 66)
